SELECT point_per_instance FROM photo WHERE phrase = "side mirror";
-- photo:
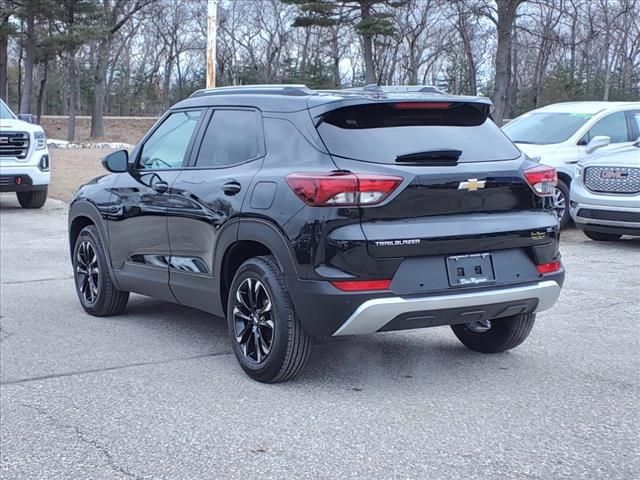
(597, 142)
(116, 162)
(26, 117)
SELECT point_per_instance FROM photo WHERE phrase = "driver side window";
(613, 126)
(167, 146)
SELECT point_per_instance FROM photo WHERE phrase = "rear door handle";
(160, 187)
(231, 188)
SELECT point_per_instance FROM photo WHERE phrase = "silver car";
(605, 194)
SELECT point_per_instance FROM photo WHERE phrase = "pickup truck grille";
(612, 179)
(14, 144)
(611, 215)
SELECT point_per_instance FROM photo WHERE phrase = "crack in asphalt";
(84, 438)
(20, 282)
(109, 369)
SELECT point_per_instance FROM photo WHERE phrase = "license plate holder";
(469, 270)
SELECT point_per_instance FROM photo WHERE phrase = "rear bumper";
(323, 310)
(375, 314)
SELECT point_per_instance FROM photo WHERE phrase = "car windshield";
(545, 127)
(5, 113)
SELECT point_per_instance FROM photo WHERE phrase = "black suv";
(297, 213)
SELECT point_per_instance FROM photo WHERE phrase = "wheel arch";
(255, 238)
(81, 215)
(565, 177)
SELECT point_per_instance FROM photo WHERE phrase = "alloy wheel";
(253, 320)
(87, 272)
(559, 203)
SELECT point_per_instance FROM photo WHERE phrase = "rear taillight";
(342, 189)
(543, 179)
(361, 285)
(549, 267)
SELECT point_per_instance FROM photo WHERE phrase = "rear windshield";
(381, 133)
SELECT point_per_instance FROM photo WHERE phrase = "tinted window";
(613, 126)
(544, 128)
(231, 137)
(381, 133)
(168, 144)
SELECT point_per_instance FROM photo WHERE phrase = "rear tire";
(97, 293)
(602, 237)
(267, 338)
(504, 334)
(33, 199)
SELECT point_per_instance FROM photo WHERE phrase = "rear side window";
(381, 133)
(231, 137)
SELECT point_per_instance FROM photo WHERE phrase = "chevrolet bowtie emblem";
(472, 184)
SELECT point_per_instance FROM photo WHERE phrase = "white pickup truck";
(24, 159)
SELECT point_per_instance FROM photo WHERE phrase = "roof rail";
(295, 90)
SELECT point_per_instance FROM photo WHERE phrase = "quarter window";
(231, 137)
(167, 146)
(613, 126)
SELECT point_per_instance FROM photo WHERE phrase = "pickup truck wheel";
(96, 292)
(496, 335)
(602, 237)
(266, 335)
(34, 199)
(561, 199)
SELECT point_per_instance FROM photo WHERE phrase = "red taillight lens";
(420, 105)
(341, 189)
(543, 179)
(549, 267)
(361, 285)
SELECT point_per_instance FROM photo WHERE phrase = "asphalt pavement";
(156, 393)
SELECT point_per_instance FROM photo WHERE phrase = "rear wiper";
(431, 157)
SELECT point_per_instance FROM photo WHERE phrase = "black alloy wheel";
(253, 321)
(87, 272)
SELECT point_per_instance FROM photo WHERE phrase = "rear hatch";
(463, 178)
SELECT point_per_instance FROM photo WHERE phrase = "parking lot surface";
(157, 393)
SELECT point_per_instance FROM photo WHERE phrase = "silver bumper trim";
(374, 314)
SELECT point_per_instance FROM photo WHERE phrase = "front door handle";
(231, 188)
(160, 187)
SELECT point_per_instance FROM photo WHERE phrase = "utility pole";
(212, 27)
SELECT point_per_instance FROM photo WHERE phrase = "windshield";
(5, 113)
(544, 128)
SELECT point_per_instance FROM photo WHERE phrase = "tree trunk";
(43, 84)
(367, 48)
(72, 75)
(25, 101)
(99, 79)
(335, 53)
(4, 53)
(505, 23)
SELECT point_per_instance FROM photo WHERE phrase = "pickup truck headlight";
(40, 140)
(577, 173)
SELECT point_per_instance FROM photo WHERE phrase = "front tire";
(33, 199)
(503, 333)
(267, 338)
(97, 293)
(561, 199)
(602, 237)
